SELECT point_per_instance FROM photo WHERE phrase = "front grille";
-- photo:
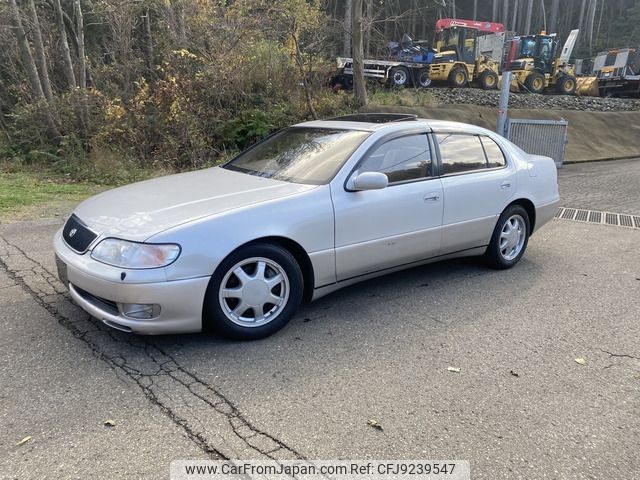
(77, 235)
(107, 305)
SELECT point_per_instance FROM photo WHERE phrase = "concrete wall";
(592, 135)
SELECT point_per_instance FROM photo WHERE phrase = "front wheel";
(458, 77)
(489, 80)
(566, 85)
(253, 293)
(510, 238)
(535, 82)
(399, 76)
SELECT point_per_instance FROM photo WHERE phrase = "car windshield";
(299, 154)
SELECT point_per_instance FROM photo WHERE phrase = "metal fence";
(540, 137)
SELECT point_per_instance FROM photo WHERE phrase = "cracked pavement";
(378, 350)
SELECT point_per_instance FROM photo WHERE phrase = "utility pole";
(503, 106)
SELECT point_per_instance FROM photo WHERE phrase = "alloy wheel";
(254, 292)
(512, 237)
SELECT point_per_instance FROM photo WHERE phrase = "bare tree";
(82, 61)
(346, 46)
(553, 16)
(505, 12)
(583, 4)
(146, 20)
(66, 53)
(590, 23)
(359, 87)
(41, 59)
(30, 67)
(527, 25)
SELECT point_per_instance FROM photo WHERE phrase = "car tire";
(510, 238)
(237, 303)
(489, 80)
(458, 77)
(535, 83)
(399, 76)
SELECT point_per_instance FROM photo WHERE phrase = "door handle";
(506, 184)
(431, 197)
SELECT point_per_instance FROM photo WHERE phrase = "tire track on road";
(210, 419)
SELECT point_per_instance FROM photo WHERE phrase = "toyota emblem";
(72, 232)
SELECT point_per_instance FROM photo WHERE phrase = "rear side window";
(401, 159)
(495, 157)
(460, 153)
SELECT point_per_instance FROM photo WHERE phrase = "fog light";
(140, 310)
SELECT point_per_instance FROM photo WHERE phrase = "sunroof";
(376, 117)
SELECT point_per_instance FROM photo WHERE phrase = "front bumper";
(180, 301)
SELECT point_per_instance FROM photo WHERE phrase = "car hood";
(141, 210)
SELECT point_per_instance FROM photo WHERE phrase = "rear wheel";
(566, 85)
(458, 77)
(535, 82)
(399, 76)
(510, 238)
(489, 80)
(423, 78)
(253, 293)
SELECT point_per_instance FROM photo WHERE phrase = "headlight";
(124, 254)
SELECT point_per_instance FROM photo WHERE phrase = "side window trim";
(436, 144)
(395, 136)
(506, 162)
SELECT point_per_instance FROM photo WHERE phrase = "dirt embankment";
(593, 135)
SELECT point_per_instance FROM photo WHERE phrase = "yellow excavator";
(535, 67)
(467, 51)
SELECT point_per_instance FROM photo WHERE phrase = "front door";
(397, 225)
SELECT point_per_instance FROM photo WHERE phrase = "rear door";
(477, 183)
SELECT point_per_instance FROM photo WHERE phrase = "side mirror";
(369, 181)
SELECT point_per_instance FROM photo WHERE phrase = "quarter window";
(495, 157)
(401, 159)
(460, 153)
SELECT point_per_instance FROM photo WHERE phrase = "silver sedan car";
(235, 249)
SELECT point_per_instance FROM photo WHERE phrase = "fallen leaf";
(24, 440)
(109, 423)
(453, 369)
(515, 374)
(374, 424)
(580, 361)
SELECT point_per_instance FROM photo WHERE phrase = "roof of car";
(347, 123)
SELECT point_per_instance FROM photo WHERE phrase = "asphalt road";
(520, 407)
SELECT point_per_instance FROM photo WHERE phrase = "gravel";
(476, 96)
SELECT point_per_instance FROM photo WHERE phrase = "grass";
(26, 195)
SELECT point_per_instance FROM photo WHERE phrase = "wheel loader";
(468, 51)
(535, 67)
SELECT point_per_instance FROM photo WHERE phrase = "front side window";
(401, 159)
(495, 157)
(300, 154)
(460, 153)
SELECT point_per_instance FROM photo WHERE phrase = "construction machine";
(535, 67)
(467, 51)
